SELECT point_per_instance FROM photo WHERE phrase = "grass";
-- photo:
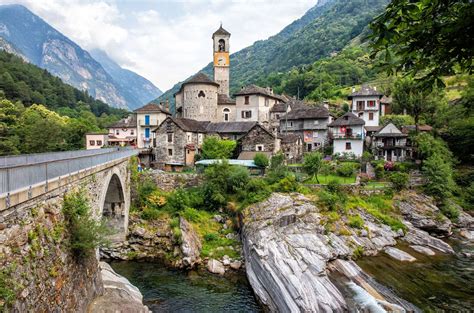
(376, 185)
(325, 179)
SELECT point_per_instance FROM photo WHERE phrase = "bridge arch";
(115, 204)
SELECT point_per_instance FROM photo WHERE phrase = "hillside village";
(260, 120)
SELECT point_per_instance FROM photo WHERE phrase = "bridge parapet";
(28, 176)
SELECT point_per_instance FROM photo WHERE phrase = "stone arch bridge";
(34, 181)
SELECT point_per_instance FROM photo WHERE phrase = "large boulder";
(421, 211)
(190, 244)
(419, 237)
(215, 267)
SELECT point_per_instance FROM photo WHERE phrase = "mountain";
(135, 88)
(323, 30)
(39, 43)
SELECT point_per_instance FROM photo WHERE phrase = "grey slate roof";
(225, 100)
(186, 124)
(365, 90)
(128, 122)
(279, 107)
(256, 90)
(151, 108)
(200, 78)
(307, 112)
(348, 119)
(288, 138)
(220, 31)
(230, 127)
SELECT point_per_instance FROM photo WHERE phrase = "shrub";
(331, 200)
(438, 173)
(215, 148)
(469, 197)
(355, 221)
(261, 160)
(256, 190)
(177, 201)
(287, 184)
(450, 211)
(346, 169)
(211, 237)
(367, 156)
(85, 233)
(312, 164)
(379, 170)
(399, 180)
(333, 186)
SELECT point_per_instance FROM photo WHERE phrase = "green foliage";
(287, 184)
(261, 160)
(215, 148)
(312, 164)
(450, 211)
(256, 190)
(399, 180)
(422, 37)
(355, 221)
(438, 173)
(469, 197)
(398, 120)
(332, 198)
(428, 145)
(346, 169)
(7, 288)
(85, 233)
(358, 252)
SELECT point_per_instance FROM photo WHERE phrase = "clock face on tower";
(221, 59)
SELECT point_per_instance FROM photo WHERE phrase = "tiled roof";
(128, 122)
(408, 128)
(256, 90)
(289, 138)
(190, 125)
(279, 107)
(373, 128)
(348, 119)
(200, 78)
(230, 127)
(225, 100)
(365, 90)
(221, 31)
(151, 107)
(307, 112)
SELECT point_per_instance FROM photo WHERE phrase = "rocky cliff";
(289, 255)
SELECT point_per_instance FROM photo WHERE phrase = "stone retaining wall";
(171, 181)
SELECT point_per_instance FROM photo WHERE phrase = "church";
(204, 99)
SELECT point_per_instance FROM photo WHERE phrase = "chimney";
(353, 89)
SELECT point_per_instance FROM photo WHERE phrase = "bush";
(312, 164)
(85, 233)
(469, 197)
(287, 184)
(379, 170)
(355, 221)
(256, 190)
(399, 180)
(346, 169)
(450, 211)
(177, 201)
(261, 160)
(215, 148)
(438, 173)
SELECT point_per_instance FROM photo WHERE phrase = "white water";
(364, 299)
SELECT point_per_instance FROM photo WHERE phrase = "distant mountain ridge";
(326, 28)
(27, 35)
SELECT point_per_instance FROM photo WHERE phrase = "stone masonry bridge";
(30, 181)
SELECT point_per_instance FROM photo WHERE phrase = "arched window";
(226, 114)
(221, 45)
(201, 94)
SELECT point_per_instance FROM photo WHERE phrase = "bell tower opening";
(221, 59)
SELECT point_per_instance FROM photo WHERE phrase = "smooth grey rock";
(190, 244)
(226, 260)
(215, 267)
(419, 237)
(423, 250)
(236, 265)
(399, 255)
(467, 234)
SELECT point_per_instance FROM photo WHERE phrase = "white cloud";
(163, 40)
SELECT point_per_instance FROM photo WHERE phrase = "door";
(389, 155)
(147, 119)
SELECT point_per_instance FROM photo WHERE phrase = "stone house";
(253, 104)
(366, 104)
(309, 123)
(178, 140)
(390, 144)
(347, 134)
(291, 145)
(124, 132)
(257, 139)
(230, 130)
(147, 118)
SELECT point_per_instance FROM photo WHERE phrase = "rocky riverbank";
(289, 253)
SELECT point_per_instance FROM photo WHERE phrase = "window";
(277, 116)
(371, 116)
(147, 119)
(267, 102)
(226, 114)
(361, 114)
(170, 137)
(246, 114)
(132, 132)
(246, 100)
(91, 142)
(189, 137)
(371, 103)
(199, 138)
(348, 146)
(147, 133)
(117, 132)
(201, 94)
(316, 122)
(360, 105)
(309, 147)
(221, 45)
(259, 147)
(170, 152)
(99, 142)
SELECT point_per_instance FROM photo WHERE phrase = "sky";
(165, 41)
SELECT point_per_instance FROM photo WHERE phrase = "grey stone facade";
(257, 139)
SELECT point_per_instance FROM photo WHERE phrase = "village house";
(123, 132)
(390, 144)
(147, 118)
(96, 140)
(347, 133)
(230, 130)
(308, 122)
(257, 140)
(291, 145)
(366, 104)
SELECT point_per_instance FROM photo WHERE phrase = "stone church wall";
(199, 107)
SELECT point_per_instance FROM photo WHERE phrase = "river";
(437, 283)
(166, 290)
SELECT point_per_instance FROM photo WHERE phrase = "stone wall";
(171, 181)
(258, 136)
(38, 270)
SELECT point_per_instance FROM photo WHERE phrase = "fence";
(24, 171)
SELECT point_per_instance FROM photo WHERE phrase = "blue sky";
(165, 40)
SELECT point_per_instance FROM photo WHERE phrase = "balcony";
(347, 136)
(151, 122)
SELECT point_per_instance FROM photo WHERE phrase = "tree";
(398, 120)
(260, 160)
(215, 148)
(438, 173)
(425, 38)
(312, 164)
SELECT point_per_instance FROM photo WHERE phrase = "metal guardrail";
(25, 171)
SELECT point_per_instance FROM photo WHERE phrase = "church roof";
(225, 100)
(221, 31)
(348, 119)
(365, 90)
(151, 107)
(256, 90)
(200, 78)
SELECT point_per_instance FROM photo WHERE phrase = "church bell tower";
(220, 40)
